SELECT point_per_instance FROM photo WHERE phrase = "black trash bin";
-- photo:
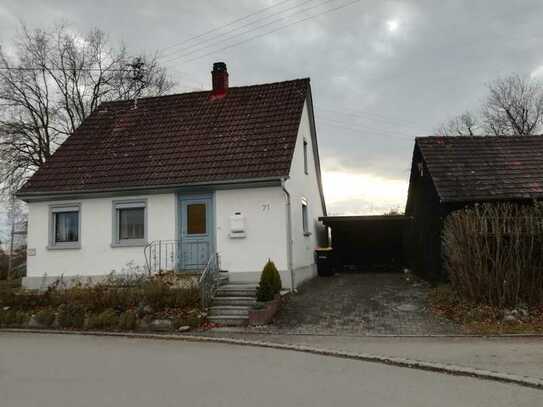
(325, 264)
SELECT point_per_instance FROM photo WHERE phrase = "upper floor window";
(305, 218)
(130, 223)
(64, 230)
(305, 157)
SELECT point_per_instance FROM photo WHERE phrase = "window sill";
(64, 246)
(306, 234)
(135, 243)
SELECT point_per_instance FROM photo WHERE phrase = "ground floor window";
(130, 223)
(64, 226)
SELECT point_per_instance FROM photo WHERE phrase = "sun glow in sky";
(369, 193)
(393, 25)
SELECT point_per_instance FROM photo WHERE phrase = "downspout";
(289, 236)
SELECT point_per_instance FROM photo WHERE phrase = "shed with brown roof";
(448, 173)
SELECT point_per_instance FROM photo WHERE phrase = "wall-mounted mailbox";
(237, 225)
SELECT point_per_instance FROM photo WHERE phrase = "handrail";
(208, 281)
(147, 253)
(165, 255)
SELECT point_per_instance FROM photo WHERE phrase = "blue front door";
(196, 231)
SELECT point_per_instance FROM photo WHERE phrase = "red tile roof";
(179, 139)
(484, 168)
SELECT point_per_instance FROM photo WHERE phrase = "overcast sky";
(382, 72)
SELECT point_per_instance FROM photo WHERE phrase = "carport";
(367, 242)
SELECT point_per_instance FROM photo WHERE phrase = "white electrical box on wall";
(237, 225)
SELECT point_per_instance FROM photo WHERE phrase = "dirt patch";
(485, 319)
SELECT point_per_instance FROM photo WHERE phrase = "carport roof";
(329, 220)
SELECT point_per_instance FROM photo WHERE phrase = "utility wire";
(378, 120)
(222, 33)
(194, 51)
(271, 31)
(365, 113)
(365, 127)
(223, 26)
(366, 130)
(30, 68)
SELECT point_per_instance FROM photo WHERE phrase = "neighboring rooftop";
(484, 168)
(246, 132)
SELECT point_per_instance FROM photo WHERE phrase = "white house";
(233, 171)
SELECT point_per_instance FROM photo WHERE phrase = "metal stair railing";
(209, 280)
(162, 255)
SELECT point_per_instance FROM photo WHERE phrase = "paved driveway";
(54, 370)
(361, 304)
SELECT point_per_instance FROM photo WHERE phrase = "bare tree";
(51, 82)
(513, 107)
(465, 124)
(17, 231)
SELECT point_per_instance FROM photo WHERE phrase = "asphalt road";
(55, 370)
(517, 355)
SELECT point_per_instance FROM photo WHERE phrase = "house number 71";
(266, 207)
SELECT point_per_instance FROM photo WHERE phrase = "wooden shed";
(449, 173)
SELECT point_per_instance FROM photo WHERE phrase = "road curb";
(444, 368)
(228, 330)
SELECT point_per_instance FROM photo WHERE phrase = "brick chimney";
(219, 79)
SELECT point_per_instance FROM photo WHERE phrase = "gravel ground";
(361, 304)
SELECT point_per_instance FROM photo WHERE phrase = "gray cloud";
(374, 90)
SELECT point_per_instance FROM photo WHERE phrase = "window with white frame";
(129, 223)
(305, 157)
(305, 218)
(64, 226)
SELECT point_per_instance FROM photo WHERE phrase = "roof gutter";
(289, 235)
(94, 193)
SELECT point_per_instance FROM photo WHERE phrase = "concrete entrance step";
(241, 285)
(233, 320)
(228, 310)
(223, 279)
(244, 300)
(234, 291)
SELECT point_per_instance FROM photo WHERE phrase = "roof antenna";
(138, 76)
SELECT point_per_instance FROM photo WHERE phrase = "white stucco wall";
(96, 256)
(265, 222)
(304, 186)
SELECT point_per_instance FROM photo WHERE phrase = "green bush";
(45, 317)
(156, 294)
(13, 318)
(270, 283)
(128, 321)
(107, 319)
(71, 316)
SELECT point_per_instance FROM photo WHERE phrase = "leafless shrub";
(494, 253)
